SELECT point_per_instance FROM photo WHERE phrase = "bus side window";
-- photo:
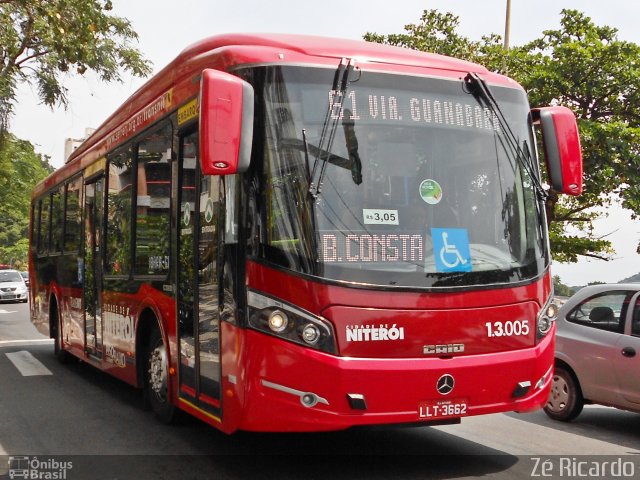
(72, 226)
(153, 201)
(118, 239)
(37, 214)
(57, 212)
(44, 225)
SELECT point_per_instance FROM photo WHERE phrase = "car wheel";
(156, 378)
(565, 399)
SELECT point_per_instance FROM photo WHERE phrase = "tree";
(43, 40)
(560, 288)
(586, 68)
(436, 33)
(20, 169)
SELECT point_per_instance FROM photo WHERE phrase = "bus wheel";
(157, 384)
(62, 355)
(565, 400)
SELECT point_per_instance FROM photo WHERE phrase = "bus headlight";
(278, 321)
(311, 334)
(546, 317)
(285, 321)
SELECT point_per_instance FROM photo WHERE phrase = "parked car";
(25, 277)
(12, 286)
(597, 351)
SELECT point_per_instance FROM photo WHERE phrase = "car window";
(10, 276)
(605, 311)
(635, 325)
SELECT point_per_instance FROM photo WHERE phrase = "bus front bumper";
(292, 388)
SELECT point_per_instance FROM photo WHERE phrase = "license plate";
(439, 409)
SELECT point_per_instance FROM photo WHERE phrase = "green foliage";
(435, 33)
(42, 40)
(560, 288)
(20, 169)
(586, 68)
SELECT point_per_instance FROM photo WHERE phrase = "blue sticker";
(451, 249)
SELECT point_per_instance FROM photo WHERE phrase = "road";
(74, 413)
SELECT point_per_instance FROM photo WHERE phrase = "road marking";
(2, 310)
(526, 438)
(34, 341)
(27, 364)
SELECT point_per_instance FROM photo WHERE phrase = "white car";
(597, 351)
(12, 286)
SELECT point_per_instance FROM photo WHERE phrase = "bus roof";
(315, 46)
(226, 51)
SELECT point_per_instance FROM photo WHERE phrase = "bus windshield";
(395, 180)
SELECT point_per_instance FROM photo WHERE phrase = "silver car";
(12, 286)
(597, 351)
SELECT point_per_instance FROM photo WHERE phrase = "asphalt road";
(73, 413)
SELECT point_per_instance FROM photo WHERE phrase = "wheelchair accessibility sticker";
(451, 249)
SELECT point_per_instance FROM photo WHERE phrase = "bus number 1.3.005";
(507, 329)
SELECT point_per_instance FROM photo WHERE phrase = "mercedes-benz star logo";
(445, 384)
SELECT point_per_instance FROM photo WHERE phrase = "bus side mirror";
(226, 123)
(561, 142)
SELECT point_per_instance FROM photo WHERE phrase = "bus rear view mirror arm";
(226, 123)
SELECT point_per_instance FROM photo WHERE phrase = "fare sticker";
(430, 191)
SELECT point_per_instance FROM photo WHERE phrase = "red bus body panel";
(394, 378)
(393, 388)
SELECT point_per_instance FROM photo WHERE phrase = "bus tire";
(156, 378)
(61, 354)
(565, 399)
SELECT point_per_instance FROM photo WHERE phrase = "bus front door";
(93, 224)
(198, 283)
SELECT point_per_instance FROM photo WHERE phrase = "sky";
(166, 27)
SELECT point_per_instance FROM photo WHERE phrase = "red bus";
(290, 233)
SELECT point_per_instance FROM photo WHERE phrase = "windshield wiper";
(352, 163)
(352, 147)
(330, 125)
(310, 148)
(478, 87)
